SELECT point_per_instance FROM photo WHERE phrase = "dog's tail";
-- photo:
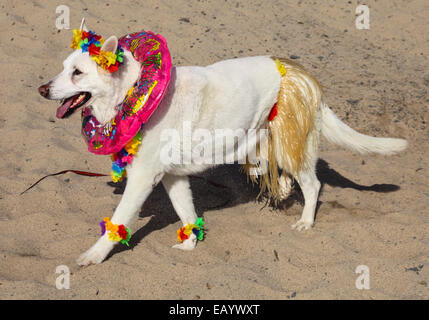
(341, 134)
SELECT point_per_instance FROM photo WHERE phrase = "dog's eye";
(77, 72)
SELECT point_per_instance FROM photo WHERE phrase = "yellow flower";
(117, 176)
(110, 57)
(77, 37)
(114, 237)
(114, 177)
(105, 59)
(188, 229)
(100, 59)
(132, 146)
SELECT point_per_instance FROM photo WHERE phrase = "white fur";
(339, 133)
(231, 94)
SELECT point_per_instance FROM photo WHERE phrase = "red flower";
(85, 35)
(113, 67)
(182, 235)
(122, 232)
(93, 50)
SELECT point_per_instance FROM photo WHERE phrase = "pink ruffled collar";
(142, 99)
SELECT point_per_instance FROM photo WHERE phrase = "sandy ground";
(373, 209)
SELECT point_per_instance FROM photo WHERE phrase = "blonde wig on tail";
(292, 132)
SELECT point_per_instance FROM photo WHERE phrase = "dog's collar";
(141, 100)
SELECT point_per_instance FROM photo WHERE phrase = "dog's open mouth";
(69, 105)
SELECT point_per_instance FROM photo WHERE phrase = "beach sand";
(373, 209)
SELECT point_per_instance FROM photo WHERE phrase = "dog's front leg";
(142, 178)
(179, 191)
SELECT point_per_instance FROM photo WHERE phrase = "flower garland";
(197, 229)
(152, 52)
(90, 42)
(125, 156)
(118, 233)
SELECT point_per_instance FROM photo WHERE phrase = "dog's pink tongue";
(61, 111)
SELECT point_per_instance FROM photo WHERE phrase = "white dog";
(232, 94)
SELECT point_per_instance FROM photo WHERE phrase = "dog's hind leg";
(310, 185)
(179, 191)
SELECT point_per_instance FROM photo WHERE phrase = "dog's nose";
(44, 90)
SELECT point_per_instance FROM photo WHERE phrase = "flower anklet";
(186, 231)
(118, 233)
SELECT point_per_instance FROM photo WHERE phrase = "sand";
(372, 210)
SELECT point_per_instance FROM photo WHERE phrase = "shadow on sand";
(224, 187)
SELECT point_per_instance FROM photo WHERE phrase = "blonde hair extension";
(298, 101)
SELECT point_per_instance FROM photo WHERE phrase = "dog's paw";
(92, 256)
(96, 254)
(187, 244)
(302, 225)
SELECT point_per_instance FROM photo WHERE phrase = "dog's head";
(82, 81)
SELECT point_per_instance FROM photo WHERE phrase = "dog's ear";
(110, 44)
(83, 25)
